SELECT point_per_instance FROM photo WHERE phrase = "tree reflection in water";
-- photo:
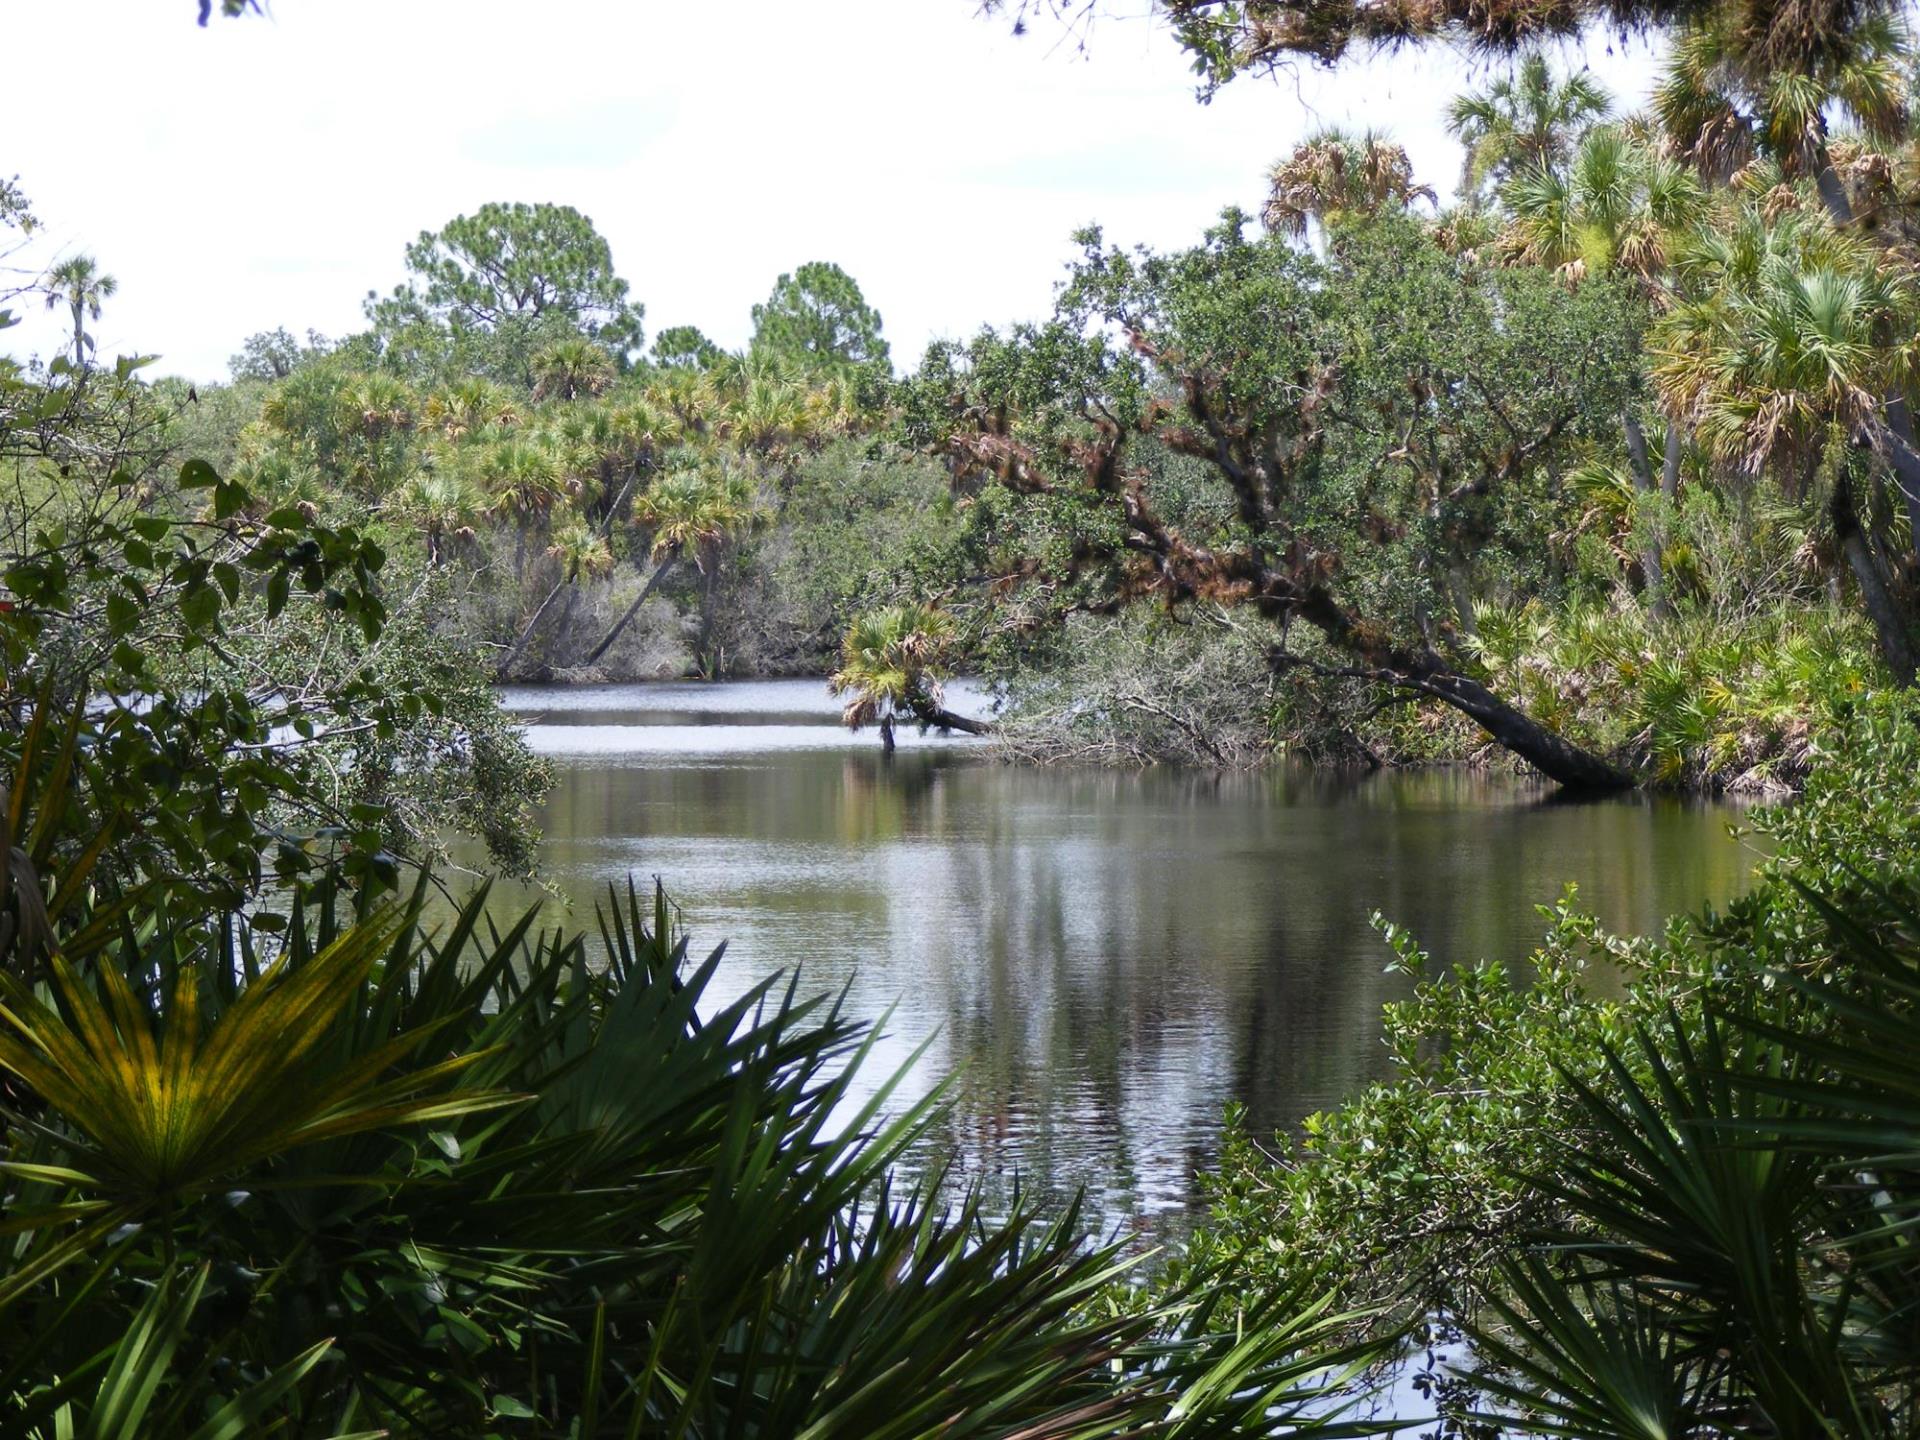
(1104, 958)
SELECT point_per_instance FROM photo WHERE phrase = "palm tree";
(81, 285)
(1332, 176)
(278, 476)
(571, 369)
(891, 664)
(440, 502)
(523, 482)
(691, 512)
(764, 409)
(625, 441)
(469, 406)
(1524, 122)
(1796, 332)
(1617, 204)
(688, 398)
(1733, 91)
(1769, 85)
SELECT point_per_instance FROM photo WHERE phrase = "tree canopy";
(504, 281)
(817, 319)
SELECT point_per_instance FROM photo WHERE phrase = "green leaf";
(200, 605)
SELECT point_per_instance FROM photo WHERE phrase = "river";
(1102, 959)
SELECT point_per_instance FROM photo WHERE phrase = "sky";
(270, 171)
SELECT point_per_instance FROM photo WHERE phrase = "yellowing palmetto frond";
(167, 1106)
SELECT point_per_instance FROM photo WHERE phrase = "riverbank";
(1705, 705)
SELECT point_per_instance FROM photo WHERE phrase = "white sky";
(269, 172)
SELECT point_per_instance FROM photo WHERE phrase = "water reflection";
(1104, 958)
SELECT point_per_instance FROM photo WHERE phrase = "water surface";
(1102, 959)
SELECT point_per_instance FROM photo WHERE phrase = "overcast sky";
(270, 171)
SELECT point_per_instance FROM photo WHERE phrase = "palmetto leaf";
(132, 1400)
(164, 1106)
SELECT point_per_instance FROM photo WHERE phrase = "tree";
(1229, 38)
(1374, 428)
(505, 280)
(684, 346)
(1333, 177)
(469, 406)
(79, 284)
(690, 513)
(817, 320)
(273, 354)
(1730, 93)
(1617, 203)
(1523, 123)
(247, 690)
(581, 554)
(355, 428)
(441, 503)
(523, 482)
(1793, 332)
(892, 662)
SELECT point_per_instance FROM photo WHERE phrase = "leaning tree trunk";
(1896, 645)
(1548, 751)
(513, 654)
(939, 718)
(1643, 488)
(1425, 672)
(646, 593)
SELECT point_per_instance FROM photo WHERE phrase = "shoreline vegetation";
(1432, 543)
(1605, 465)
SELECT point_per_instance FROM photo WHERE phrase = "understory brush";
(1702, 701)
(1139, 689)
(1697, 702)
